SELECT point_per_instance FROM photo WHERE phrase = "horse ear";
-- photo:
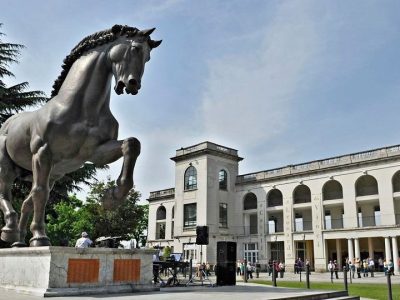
(154, 44)
(146, 32)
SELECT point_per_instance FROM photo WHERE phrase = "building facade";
(344, 206)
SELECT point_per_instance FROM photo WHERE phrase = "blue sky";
(283, 82)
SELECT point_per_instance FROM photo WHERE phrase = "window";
(172, 222)
(160, 231)
(189, 215)
(223, 180)
(253, 224)
(328, 220)
(272, 225)
(190, 179)
(366, 185)
(250, 201)
(302, 194)
(161, 213)
(377, 215)
(278, 251)
(332, 189)
(223, 215)
(251, 252)
(274, 198)
(298, 222)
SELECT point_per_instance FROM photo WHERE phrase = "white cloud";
(249, 94)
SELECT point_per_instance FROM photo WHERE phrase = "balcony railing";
(367, 221)
(162, 193)
(333, 223)
(300, 226)
(321, 164)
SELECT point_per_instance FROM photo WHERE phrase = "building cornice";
(328, 164)
(206, 148)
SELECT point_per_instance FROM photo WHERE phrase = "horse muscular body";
(74, 127)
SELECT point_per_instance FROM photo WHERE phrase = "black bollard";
(273, 274)
(389, 283)
(308, 276)
(190, 270)
(300, 273)
(345, 278)
(245, 270)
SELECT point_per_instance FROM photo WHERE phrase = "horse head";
(128, 56)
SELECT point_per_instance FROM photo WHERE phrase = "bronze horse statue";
(74, 127)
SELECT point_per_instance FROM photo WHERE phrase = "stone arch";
(332, 189)
(274, 198)
(301, 194)
(396, 182)
(250, 201)
(161, 213)
(366, 185)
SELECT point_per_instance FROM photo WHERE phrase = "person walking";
(331, 268)
(371, 266)
(270, 267)
(336, 269)
(258, 268)
(365, 268)
(84, 241)
(358, 267)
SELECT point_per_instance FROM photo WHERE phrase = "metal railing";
(321, 164)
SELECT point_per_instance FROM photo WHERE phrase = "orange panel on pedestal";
(126, 270)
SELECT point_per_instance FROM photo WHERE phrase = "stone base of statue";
(61, 271)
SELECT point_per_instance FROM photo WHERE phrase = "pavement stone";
(240, 291)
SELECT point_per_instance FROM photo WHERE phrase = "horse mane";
(88, 43)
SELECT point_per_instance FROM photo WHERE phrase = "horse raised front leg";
(129, 149)
(41, 166)
(9, 232)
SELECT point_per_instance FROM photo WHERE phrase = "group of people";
(250, 269)
(362, 266)
(278, 266)
(367, 266)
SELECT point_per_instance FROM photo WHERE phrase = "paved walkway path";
(240, 291)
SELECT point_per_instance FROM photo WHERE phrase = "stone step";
(334, 295)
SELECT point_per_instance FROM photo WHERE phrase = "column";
(350, 249)
(388, 254)
(339, 253)
(370, 248)
(395, 255)
(357, 248)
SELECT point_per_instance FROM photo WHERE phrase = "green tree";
(129, 220)
(14, 98)
(71, 217)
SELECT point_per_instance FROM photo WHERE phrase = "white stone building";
(344, 206)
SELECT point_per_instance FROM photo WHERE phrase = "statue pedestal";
(60, 271)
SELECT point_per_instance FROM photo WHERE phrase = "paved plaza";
(241, 290)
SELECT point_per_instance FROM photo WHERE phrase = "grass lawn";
(367, 290)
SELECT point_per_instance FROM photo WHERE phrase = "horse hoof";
(39, 241)
(4, 244)
(19, 245)
(9, 236)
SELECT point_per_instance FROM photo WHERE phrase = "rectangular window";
(253, 224)
(272, 226)
(377, 215)
(190, 215)
(298, 222)
(251, 252)
(223, 215)
(328, 220)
